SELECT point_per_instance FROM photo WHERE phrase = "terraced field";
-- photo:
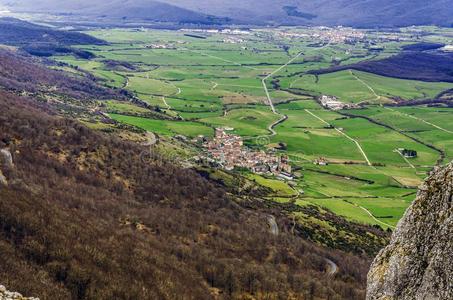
(214, 82)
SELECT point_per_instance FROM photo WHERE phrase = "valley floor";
(260, 83)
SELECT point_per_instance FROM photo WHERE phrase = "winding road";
(151, 139)
(268, 96)
(269, 99)
(332, 267)
(273, 225)
(165, 102)
(271, 127)
(178, 91)
(263, 81)
(374, 218)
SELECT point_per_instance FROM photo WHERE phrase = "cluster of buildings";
(331, 102)
(233, 40)
(328, 34)
(321, 161)
(161, 46)
(340, 35)
(228, 150)
(219, 31)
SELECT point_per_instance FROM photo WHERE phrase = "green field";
(355, 86)
(279, 188)
(432, 125)
(247, 122)
(164, 127)
(210, 83)
(119, 106)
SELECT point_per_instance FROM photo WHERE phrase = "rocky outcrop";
(6, 163)
(3, 180)
(7, 295)
(418, 263)
(6, 159)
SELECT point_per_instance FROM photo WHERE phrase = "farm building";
(321, 161)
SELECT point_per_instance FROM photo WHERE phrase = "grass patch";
(164, 127)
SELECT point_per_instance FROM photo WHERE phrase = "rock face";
(3, 180)
(7, 295)
(6, 159)
(418, 263)
(6, 163)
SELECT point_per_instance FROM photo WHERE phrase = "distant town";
(328, 34)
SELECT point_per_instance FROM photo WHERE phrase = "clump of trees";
(414, 65)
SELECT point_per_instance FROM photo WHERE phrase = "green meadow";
(355, 86)
(211, 83)
(165, 127)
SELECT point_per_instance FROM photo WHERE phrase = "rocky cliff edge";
(418, 262)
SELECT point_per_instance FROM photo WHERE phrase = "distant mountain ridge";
(116, 9)
(360, 13)
(16, 32)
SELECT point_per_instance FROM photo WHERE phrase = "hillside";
(418, 263)
(359, 13)
(155, 11)
(44, 41)
(369, 13)
(22, 73)
(83, 216)
(16, 32)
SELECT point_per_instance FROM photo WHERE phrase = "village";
(333, 35)
(229, 152)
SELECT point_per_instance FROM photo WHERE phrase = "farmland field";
(355, 86)
(221, 81)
